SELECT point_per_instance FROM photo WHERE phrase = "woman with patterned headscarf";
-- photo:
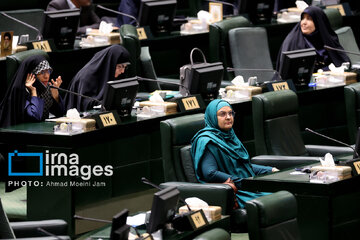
(105, 66)
(219, 156)
(29, 99)
(314, 31)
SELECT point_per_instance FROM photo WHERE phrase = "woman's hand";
(30, 79)
(56, 83)
(231, 184)
(274, 169)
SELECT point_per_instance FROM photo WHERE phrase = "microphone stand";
(39, 37)
(341, 50)
(156, 80)
(119, 13)
(332, 139)
(78, 94)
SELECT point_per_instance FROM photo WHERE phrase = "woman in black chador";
(314, 31)
(90, 81)
(29, 99)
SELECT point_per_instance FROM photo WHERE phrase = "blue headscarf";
(229, 152)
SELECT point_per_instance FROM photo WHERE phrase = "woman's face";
(120, 69)
(307, 24)
(44, 76)
(225, 117)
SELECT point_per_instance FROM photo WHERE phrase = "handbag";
(201, 78)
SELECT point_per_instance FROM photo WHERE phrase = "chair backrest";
(34, 17)
(219, 49)
(250, 50)
(273, 216)
(140, 59)
(276, 124)
(214, 234)
(13, 61)
(335, 18)
(176, 133)
(5, 230)
(348, 42)
(131, 42)
(352, 106)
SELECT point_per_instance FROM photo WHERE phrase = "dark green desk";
(325, 211)
(224, 223)
(133, 148)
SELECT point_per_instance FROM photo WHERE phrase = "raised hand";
(30, 79)
(56, 83)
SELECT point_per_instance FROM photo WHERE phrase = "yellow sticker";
(190, 103)
(42, 45)
(280, 86)
(108, 119)
(141, 33)
(198, 219)
(357, 166)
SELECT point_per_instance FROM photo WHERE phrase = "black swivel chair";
(277, 132)
(219, 48)
(273, 216)
(250, 50)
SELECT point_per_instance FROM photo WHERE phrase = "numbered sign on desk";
(281, 85)
(198, 219)
(107, 119)
(190, 103)
(42, 45)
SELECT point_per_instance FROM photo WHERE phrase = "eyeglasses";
(122, 66)
(49, 71)
(225, 114)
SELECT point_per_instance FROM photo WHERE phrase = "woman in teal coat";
(218, 154)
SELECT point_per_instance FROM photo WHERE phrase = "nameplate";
(107, 119)
(198, 219)
(357, 167)
(141, 33)
(42, 45)
(190, 103)
(281, 85)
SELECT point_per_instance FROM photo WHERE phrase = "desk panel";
(325, 211)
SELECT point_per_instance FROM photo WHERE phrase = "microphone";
(48, 233)
(78, 94)
(235, 10)
(91, 219)
(39, 36)
(147, 181)
(156, 80)
(332, 139)
(119, 13)
(341, 50)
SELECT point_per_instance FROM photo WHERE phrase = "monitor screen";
(119, 228)
(298, 65)
(204, 79)
(258, 11)
(120, 95)
(163, 208)
(157, 14)
(61, 26)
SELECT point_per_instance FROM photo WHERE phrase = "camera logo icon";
(25, 164)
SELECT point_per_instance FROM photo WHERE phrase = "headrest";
(277, 103)
(225, 25)
(185, 127)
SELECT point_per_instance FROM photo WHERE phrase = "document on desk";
(137, 220)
